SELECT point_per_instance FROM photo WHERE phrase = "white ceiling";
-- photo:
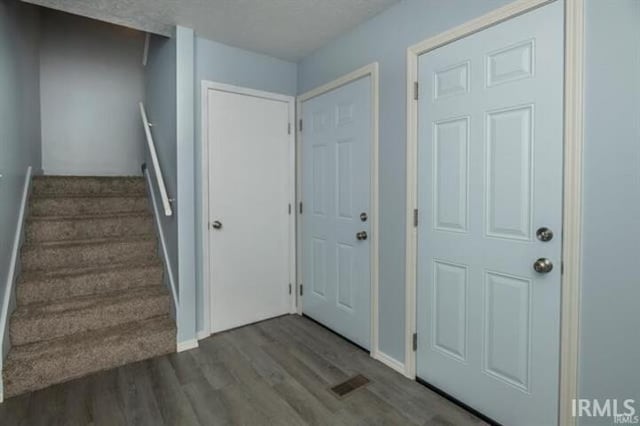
(286, 29)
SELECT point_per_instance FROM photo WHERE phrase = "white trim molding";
(163, 242)
(9, 289)
(373, 71)
(187, 345)
(480, 23)
(203, 334)
(206, 86)
(572, 214)
(390, 362)
(572, 182)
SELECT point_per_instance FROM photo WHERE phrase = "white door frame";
(572, 183)
(372, 71)
(204, 225)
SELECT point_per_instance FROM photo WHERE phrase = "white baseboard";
(187, 345)
(13, 267)
(389, 362)
(203, 334)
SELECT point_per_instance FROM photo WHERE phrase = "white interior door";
(249, 195)
(490, 176)
(336, 195)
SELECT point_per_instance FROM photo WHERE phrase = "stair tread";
(87, 242)
(81, 303)
(34, 366)
(89, 185)
(85, 177)
(92, 205)
(36, 275)
(73, 195)
(104, 216)
(99, 337)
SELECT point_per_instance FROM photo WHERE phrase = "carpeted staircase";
(90, 295)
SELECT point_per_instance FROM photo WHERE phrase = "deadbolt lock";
(363, 217)
(544, 234)
(216, 224)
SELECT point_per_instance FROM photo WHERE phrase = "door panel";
(450, 309)
(489, 175)
(336, 176)
(507, 328)
(509, 170)
(451, 147)
(249, 194)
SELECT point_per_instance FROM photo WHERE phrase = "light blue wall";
(185, 208)
(91, 80)
(610, 305)
(384, 39)
(161, 105)
(19, 119)
(224, 64)
(169, 101)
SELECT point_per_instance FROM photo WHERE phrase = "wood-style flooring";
(278, 372)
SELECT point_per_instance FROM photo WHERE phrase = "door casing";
(572, 184)
(372, 71)
(206, 86)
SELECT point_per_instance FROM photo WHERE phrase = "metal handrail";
(166, 201)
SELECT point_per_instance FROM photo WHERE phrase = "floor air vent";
(345, 388)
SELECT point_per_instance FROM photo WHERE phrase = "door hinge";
(416, 90)
(300, 207)
(289, 128)
(301, 290)
(415, 217)
(561, 267)
(300, 121)
(289, 208)
(289, 288)
(415, 342)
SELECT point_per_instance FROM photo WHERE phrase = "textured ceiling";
(286, 29)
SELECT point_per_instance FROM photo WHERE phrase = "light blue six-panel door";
(336, 190)
(489, 179)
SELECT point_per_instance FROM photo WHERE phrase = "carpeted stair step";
(57, 228)
(90, 293)
(95, 252)
(62, 205)
(80, 185)
(52, 285)
(38, 365)
(32, 323)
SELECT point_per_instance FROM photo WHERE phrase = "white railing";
(163, 241)
(166, 201)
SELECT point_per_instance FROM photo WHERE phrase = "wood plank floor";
(277, 372)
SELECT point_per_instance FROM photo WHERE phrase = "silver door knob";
(544, 234)
(543, 265)
(216, 224)
(361, 236)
